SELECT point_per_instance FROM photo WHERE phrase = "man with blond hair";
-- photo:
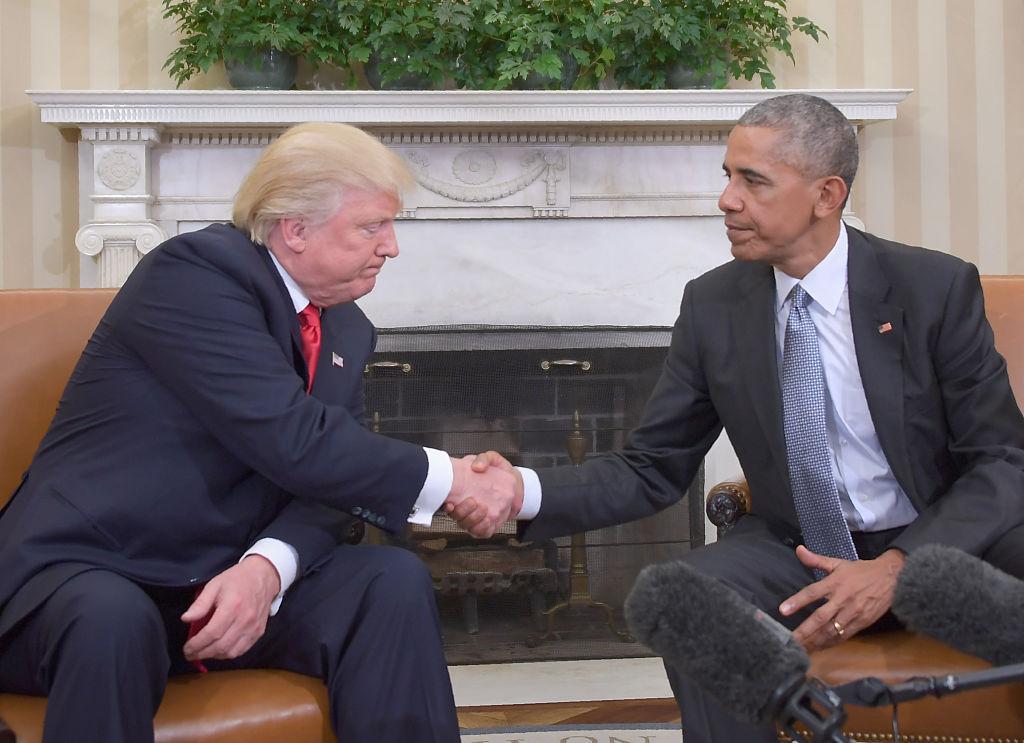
(187, 504)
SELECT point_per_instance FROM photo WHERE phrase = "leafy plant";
(235, 30)
(720, 38)
(495, 44)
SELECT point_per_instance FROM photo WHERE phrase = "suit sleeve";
(985, 430)
(664, 452)
(202, 329)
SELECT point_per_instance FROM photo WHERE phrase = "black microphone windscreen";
(963, 601)
(706, 630)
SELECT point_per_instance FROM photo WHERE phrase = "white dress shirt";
(871, 498)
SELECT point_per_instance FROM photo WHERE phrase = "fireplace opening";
(541, 396)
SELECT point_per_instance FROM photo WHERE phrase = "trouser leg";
(366, 623)
(764, 571)
(96, 648)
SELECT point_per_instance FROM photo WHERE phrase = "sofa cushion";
(222, 707)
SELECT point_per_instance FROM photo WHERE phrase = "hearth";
(528, 392)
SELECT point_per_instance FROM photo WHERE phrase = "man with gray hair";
(858, 383)
(189, 502)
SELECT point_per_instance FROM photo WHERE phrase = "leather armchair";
(982, 715)
(42, 334)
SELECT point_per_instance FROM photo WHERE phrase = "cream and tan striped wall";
(949, 173)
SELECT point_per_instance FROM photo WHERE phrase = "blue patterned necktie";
(807, 450)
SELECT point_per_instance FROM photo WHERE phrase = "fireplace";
(541, 396)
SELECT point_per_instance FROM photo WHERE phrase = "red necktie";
(309, 330)
(193, 630)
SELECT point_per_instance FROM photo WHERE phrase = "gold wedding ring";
(839, 628)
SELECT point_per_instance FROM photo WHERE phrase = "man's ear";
(832, 194)
(293, 233)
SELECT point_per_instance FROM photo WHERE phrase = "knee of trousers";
(402, 574)
(739, 575)
(108, 619)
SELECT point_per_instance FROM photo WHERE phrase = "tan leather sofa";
(993, 715)
(42, 333)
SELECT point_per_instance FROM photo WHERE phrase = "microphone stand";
(873, 692)
(812, 704)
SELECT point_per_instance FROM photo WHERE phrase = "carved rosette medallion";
(474, 167)
(119, 170)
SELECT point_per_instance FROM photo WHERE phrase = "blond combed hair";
(306, 172)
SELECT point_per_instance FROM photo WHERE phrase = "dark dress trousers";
(936, 389)
(184, 435)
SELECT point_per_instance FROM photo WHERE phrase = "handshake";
(487, 491)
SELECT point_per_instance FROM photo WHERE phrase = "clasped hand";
(487, 491)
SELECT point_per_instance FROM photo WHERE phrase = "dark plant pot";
(267, 69)
(534, 81)
(680, 75)
(408, 81)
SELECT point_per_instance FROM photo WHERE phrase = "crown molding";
(171, 109)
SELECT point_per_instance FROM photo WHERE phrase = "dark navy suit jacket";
(185, 433)
(936, 388)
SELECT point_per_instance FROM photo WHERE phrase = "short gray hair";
(816, 138)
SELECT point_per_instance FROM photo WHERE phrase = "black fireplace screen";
(540, 396)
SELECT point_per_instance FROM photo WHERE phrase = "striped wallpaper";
(948, 174)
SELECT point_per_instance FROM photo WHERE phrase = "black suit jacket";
(937, 391)
(185, 433)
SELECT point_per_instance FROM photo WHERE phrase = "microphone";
(735, 652)
(963, 601)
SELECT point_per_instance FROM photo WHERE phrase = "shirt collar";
(826, 282)
(299, 299)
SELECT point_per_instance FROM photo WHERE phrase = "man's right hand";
(483, 497)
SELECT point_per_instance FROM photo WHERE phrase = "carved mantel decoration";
(602, 195)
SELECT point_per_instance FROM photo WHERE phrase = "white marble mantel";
(532, 208)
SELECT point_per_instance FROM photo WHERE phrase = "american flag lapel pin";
(884, 328)
(337, 360)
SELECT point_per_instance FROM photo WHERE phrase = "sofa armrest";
(726, 502)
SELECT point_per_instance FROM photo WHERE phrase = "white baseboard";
(559, 681)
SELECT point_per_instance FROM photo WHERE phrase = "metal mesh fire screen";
(540, 396)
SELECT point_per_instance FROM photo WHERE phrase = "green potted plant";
(258, 41)
(702, 43)
(495, 44)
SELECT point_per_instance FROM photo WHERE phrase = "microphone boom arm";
(873, 692)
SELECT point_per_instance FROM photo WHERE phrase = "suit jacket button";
(380, 521)
(356, 511)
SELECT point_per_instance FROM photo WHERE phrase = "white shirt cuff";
(436, 487)
(531, 494)
(285, 560)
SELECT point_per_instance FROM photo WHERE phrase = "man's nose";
(728, 201)
(389, 243)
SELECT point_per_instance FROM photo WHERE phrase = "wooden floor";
(580, 713)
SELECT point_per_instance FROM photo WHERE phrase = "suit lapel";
(878, 339)
(754, 321)
(288, 308)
